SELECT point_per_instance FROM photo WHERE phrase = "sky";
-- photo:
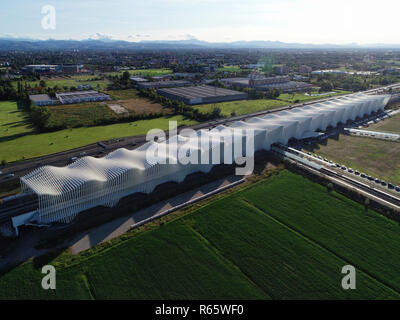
(300, 21)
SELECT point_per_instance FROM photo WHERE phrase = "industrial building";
(68, 98)
(202, 94)
(137, 80)
(41, 100)
(262, 83)
(163, 84)
(81, 96)
(52, 68)
(90, 182)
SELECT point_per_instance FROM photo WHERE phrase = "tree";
(216, 112)
(40, 116)
(366, 203)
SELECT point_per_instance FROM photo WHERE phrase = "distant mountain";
(20, 44)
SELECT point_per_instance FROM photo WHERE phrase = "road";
(61, 159)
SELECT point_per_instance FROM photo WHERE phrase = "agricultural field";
(80, 115)
(95, 113)
(283, 237)
(242, 106)
(231, 69)
(374, 157)
(134, 104)
(35, 145)
(388, 125)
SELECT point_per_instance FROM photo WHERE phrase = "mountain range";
(20, 44)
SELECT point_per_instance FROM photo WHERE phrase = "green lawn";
(281, 238)
(35, 145)
(242, 106)
(123, 94)
(13, 121)
(301, 97)
(388, 125)
(374, 157)
(79, 115)
(144, 72)
(72, 82)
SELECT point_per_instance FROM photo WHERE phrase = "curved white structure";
(90, 182)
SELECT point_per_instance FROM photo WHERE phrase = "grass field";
(92, 113)
(242, 106)
(144, 72)
(34, 145)
(14, 122)
(231, 69)
(74, 81)
(374, 157)
(281, 238)
(78, 115)
(388, 125)
(300, 97)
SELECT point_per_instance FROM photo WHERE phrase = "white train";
(90, 182)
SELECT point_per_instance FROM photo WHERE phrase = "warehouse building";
(163, 84)
(41, 100)
(262, 83)
(81, 96)
(52, 68)
(289, 86)
(202, 94)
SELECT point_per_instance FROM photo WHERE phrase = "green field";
(14, 122)
(374, 157)
(79, 115)
(144, 72)
(242, 106)
(388, 125)
(301, 97)
(32, 145)
(74, 81)
(281, 238)
(231, 69)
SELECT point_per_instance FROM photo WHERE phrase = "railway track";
(358, 184)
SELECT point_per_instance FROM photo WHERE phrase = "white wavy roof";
(130, 167)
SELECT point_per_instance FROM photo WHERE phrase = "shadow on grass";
(39, 262)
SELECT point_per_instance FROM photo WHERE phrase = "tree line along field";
(378, 158)
(283, 237)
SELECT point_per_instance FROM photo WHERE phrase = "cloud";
(101, 36)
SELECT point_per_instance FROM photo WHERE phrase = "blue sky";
(306, 21)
